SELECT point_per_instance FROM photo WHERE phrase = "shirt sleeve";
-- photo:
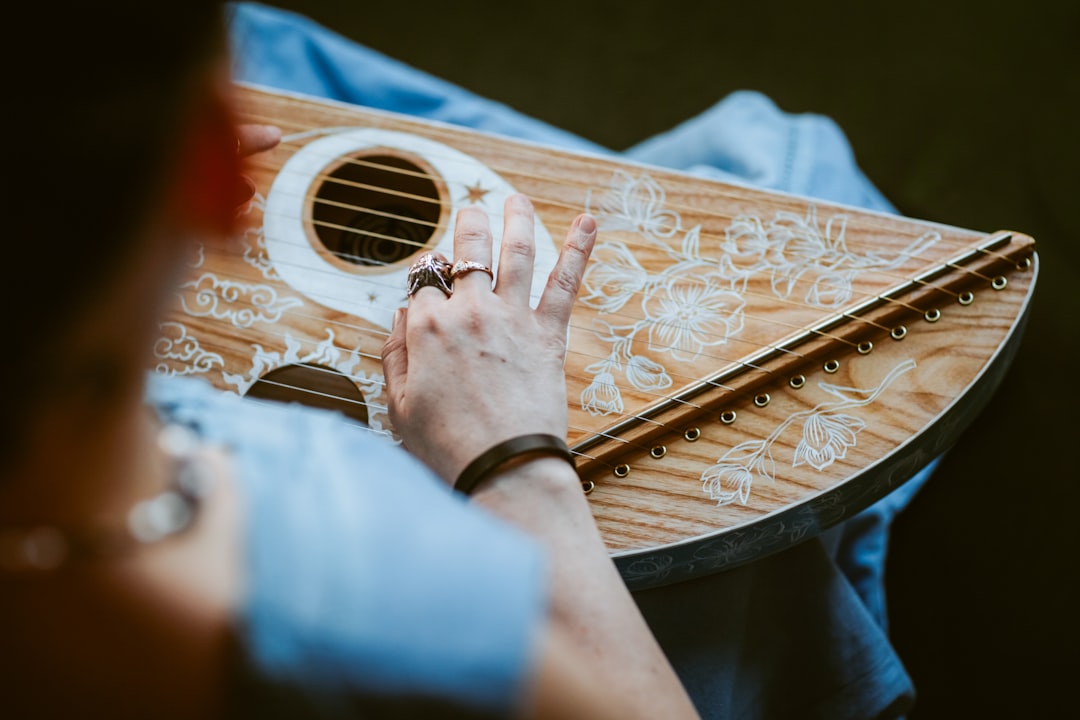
(367, 577)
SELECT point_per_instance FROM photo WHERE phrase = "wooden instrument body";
(745, 368)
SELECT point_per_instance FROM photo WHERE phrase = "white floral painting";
(827, 433)
(697, 301)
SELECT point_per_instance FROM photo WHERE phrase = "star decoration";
(475, 194)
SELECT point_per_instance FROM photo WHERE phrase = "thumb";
(395, 356)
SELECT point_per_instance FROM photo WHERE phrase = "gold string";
(495, 215)
(716, 189)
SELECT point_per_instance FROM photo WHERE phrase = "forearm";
(590, 602)
(507, 381)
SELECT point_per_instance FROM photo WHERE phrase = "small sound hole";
(376, 210)
(314, 386)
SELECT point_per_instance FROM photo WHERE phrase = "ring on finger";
(430, 269)
(460, 267)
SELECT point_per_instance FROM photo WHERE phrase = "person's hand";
(252, 138)
(481, 366)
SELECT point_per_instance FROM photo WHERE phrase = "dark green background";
(962, 113)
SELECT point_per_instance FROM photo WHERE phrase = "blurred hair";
(95, 98)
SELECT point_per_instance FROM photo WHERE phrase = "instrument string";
(747, 292)
(710, 357)
(389, 435)
(282, 337)
(596, 434)
(629, 319)
(370, 405)
(553, 202)
(716, 189)
(495, 215)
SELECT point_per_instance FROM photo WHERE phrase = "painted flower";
(652, 568)
(733, 474)
(826, 438)
(798, 241)
(612, 278)
(691, 313)
(736, 546)
(636, 204)
(602, 396)
(746, 246)
(727, 482)
(644, 374)
(795, 245)
(830, 290)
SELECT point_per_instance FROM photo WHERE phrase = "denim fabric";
(366, 577)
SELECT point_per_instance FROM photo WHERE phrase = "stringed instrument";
(745, 368)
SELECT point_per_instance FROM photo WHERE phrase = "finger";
(252, 138)
(517, 250)
(564, 282)
(395, 359)
(472, 241)
(245, 190)
(429, 293)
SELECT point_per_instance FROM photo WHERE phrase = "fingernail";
(520, 202)
(397, 317)
(587, 224)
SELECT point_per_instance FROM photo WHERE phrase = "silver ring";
(432, 270)
(461, 267)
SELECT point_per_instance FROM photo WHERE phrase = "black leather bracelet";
(491, 459)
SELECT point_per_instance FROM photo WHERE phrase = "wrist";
(509, 453)
(533, 475)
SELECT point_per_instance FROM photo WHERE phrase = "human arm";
(482, 366)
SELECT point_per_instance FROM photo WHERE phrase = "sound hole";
(314, 386)
(376, 210)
